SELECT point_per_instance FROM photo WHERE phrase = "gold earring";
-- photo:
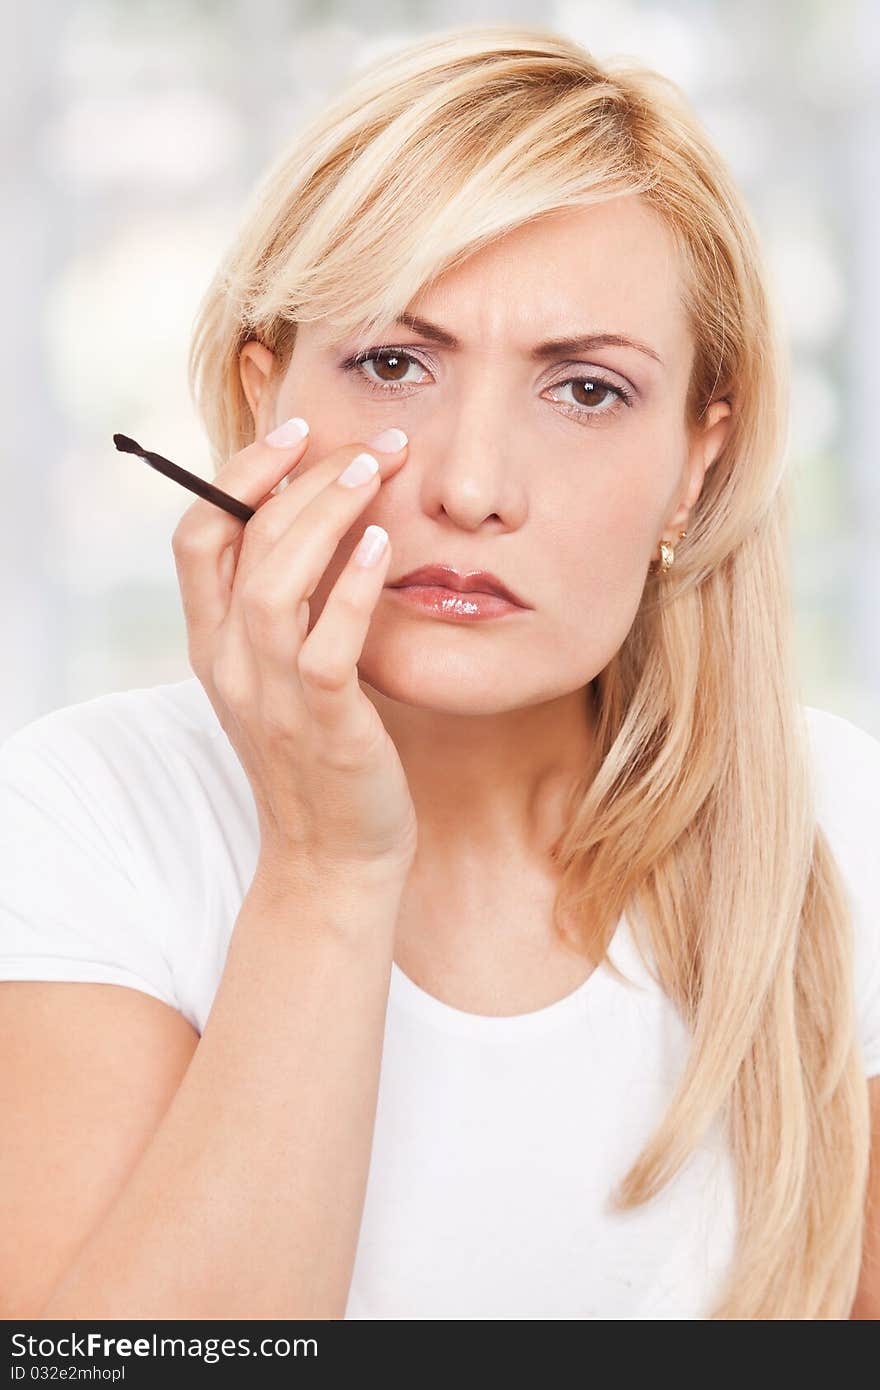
(667, 554)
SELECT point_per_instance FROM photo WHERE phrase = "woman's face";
(531, 467)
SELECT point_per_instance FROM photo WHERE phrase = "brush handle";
(192, 481)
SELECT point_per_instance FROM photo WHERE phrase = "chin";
(444, 689)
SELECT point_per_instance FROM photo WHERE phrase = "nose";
(474, 467)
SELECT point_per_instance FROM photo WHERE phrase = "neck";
(489, 790)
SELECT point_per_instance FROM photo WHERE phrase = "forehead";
(612, 267)
(609, 267)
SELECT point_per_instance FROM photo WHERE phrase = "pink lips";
(473, 582)
(444, 592)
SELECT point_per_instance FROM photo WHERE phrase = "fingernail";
(388, 441)
(370, 546)
(360, 470)
(291, 432)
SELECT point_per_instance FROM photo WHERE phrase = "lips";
(445, 576)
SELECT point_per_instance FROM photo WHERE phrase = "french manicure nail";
(389, 441)
(360, 470)
(370, 546)
(291, 432)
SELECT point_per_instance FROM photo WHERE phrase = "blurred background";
(134, 130)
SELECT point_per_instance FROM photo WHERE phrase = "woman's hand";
(330, 791)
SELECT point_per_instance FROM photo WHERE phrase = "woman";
(507, 956)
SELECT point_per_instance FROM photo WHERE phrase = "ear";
(256, 365)
(702, 453)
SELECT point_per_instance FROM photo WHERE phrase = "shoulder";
(133, 767)
(114, 818)
(846, 760)
(104, 747)
(846, 783)
(178, 713)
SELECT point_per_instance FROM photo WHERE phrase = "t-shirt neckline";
(405, 992)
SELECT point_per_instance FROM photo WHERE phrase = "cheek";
(597, 582)
(634, 493)
(601, 536)
(600, 559)
(337, 412)
(592, 600)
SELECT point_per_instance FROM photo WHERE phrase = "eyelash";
(581, 414)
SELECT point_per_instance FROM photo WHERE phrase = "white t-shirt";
(128, 838)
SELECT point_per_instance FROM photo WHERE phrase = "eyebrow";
(553, 347)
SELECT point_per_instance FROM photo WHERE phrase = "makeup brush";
(186, 479)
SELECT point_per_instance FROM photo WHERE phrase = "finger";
(268, 609)
(270, 601)
(277, 515)
(329, 656)
(205, 532)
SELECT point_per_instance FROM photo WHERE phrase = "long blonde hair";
(696, 814)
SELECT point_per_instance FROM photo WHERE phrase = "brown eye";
(589, 402)
(589, 391)
(384, 368)
(390, 366)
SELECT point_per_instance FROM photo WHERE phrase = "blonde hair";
(696, 814)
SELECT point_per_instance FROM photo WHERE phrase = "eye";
(393, 361)
(392, 365)
(589, 392)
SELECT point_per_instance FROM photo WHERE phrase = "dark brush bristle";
(129, 446)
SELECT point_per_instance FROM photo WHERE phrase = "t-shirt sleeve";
(72, 906)
(847, 783)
